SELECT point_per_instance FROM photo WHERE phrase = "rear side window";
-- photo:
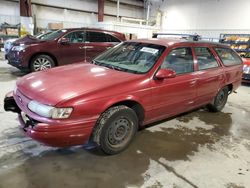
(228, 56)
(111, 38)
(205, 58)
(180, 60)
(96, 37)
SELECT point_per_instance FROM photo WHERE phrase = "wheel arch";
(230, 88)
(133, 104)
(42, 53)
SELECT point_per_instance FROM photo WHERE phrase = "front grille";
(28, 120)
(246, 76)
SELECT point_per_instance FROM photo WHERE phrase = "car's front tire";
(41, 62)
(219, 101)
(115, 129)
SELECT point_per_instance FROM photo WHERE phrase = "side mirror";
(165, 73)
(64, 41)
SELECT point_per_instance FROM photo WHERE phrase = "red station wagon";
(61, 47)
(131, 85)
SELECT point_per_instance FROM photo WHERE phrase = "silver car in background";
(9, 43)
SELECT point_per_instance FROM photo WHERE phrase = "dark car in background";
(61, 47)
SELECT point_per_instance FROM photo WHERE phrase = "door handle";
(85, 47)
(192, 83)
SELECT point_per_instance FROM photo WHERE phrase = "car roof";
(92, 29)
(172, 42)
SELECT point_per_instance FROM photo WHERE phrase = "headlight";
(61, 113)
(246, 69)
(19, 48)
(49, 111)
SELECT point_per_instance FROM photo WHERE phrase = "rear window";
(228, 56)
(96, 37)
(111, 38)
(205, 58)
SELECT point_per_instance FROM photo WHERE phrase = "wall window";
(228, 56)
(180, 60)
(76, 37)
(205, 58)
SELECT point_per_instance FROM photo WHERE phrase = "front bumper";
(16, 59)
(56, 135)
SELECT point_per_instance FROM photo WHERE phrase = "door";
(172, 96)
(72, 51)
(98, 42)
(210, 75)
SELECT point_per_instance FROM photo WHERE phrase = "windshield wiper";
(99, 63)
(113, 67)
(95, 62)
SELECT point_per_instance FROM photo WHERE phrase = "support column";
(27, 26)
(25, 8)
(100, 10)
(148, 12)
(118, 10)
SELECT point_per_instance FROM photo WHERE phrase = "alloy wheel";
(42, 64)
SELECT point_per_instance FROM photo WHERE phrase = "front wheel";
(41, 62)
(219, 101)
(115, 129)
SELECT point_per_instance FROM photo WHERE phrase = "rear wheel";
(219, 101)
(115, 129)
(41, 62)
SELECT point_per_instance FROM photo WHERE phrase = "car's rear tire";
(219, 101)
(115, 129)
(41, 62)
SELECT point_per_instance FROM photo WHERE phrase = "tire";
(115, 129)
(41, 62)
(219, 101)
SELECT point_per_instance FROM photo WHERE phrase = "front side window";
(180, 60)
(76, 37)
(205, 58)
(96, 37)
(131, 57)
(228, 56)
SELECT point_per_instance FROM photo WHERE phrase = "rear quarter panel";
(233, 75)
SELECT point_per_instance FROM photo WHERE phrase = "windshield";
(131, 57)
(54, 34)
(42, 35)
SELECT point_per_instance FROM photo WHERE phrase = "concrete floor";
(198, 149)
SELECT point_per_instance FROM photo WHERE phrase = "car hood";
(28, 39)
(59, 84)
(10, 40)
